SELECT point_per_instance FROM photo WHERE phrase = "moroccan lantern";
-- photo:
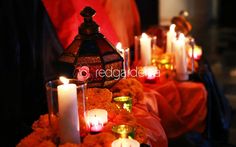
(90, 53)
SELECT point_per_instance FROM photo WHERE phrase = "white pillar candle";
(180, 58)
(125, 142)
(170, 36)
(146, 48)
(95, 118)
(68, 112)
(125, 53)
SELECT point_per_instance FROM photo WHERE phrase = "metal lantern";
(91, 49)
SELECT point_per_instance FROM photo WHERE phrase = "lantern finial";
(88, 27)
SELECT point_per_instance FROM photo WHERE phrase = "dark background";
(28, 50)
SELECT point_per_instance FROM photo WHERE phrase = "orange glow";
(197, 52)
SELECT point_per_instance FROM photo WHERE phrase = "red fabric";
(149, 120)
(65, 16)
(182, 106)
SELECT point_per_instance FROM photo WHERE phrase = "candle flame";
(197, 53)
(119, 46)
(144, 35)
(181, 37)
(172, 27)
(64, 80)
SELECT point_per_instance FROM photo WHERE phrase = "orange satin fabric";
(181, 106)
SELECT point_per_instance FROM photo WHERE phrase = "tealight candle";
(151, 73)
(68, 112)
(96, 118)
(125, 142)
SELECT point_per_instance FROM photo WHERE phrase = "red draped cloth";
(118, 20)
(65, 16)
(151, 122)
(181, 106)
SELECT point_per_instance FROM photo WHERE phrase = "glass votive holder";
(123, 131)
(66, 108)
(143, 48)
(165, 61)
(123, 102)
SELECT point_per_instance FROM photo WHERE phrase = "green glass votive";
(124, 131)
(123, 102)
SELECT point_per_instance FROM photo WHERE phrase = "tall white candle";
(180, 58)
(170, 36)
(125, 53)
(145, 47)
(68, 112)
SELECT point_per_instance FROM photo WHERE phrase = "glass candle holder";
(165, 61)
(66, 108)
(123, 131)
(123, 102)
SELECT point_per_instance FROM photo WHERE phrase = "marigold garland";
(45, 136)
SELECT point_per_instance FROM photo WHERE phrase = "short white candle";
(95, 124)
(68, 112)
(95, 118)
(170, 36)
(125, 142)
(146, 48)
(180, 58)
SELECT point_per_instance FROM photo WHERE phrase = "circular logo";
(82, 73)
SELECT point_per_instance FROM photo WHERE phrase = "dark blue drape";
(29, 49)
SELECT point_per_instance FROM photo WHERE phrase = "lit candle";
(180, 58)
(170, 36)
(120, 49)
(96, 118)
(125, 142)
(145, 47)
(95, 124)
(151, 74)
(125, 53)
(68, 112)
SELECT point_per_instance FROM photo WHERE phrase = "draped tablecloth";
(167, 110)
(181, 106)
